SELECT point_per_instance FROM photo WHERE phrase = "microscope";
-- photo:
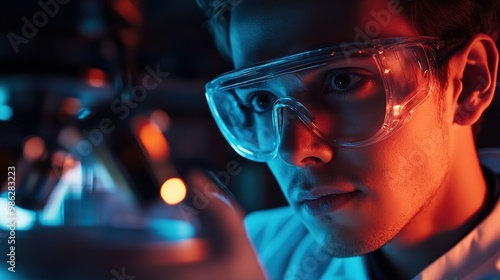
(89, 188)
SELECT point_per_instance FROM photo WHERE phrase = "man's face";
(352, 200)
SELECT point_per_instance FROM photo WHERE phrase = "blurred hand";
(231, 255)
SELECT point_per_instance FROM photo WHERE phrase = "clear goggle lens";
(358, 95)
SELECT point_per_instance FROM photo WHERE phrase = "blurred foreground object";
(86, 184)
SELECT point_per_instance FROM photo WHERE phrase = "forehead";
(262, 29)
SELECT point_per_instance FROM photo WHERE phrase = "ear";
(474, 74)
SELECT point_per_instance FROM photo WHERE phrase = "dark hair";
(453, 21)
(218, 13)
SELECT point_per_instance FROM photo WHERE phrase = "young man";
(363, 110)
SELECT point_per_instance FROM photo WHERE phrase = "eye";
(261, 101)
(343, 81)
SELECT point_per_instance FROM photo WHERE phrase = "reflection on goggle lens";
(347, 95)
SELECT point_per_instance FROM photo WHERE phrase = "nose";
(299, 145)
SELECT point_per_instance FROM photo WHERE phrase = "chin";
(350, 245)
(345, 249)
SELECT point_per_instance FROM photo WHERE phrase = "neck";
(452, 213)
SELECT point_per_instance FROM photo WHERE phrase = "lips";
(323, 201)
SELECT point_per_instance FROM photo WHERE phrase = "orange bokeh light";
(173, 191)
(153, 141)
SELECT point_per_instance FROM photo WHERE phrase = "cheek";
(409, 166)
(419, 148)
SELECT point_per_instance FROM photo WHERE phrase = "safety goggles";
(348, 95)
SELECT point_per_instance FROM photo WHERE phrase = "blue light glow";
(92, 26)
(173, 230)
(5, 113)
(4, 96)
(83, 113)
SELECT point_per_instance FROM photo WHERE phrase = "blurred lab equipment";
(89, 190)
